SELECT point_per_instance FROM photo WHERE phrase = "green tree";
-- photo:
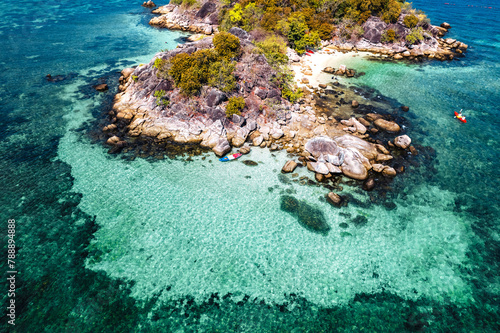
(226, 45)
(251, 16)
(391, 14)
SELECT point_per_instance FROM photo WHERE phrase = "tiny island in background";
(259, 74)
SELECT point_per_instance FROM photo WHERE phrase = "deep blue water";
(63, 228)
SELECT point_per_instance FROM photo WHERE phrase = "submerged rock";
(250, 163)
(308, 216)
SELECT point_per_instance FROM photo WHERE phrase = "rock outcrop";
(203, 20)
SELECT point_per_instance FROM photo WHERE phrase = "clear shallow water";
(110, 245)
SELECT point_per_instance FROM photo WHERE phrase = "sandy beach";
(318, 61)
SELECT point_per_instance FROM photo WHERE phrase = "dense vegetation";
(212, 67)
(275, 25)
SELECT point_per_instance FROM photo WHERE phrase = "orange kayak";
(459, 117)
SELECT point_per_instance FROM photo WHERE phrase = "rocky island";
(232, 86)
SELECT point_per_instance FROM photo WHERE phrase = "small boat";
(310, 52)
(460, 117)
(230, 157)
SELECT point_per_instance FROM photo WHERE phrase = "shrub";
(415, 35)
(291, 94)
(185, 3)
(234, 106)
(410, 21)
(162, 67)
(159, 94)
(389, 36)
(221, 75)
(226, 45)
(236, 14)
(274, 48)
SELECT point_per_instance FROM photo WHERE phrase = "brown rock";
(363, 121)
(402, 141)
(389, 172)
(245, 149)
(329, 70)
(322, 85)
(319, 177)
(334, 199)
(378, 167)
(101, 87)
(354, 104)
(289, 166)
(413, 150)
(445, 25)
(369, 184)
(386, 125)
(113, 140)
(382, 149)
(405, 108)
(373, 116)
(383, 158)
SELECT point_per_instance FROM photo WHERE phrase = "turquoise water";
(107, 244)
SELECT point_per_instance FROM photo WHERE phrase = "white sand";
(318, 61)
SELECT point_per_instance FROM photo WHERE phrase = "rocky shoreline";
(319, 138)
(349, 137)
(205, 18)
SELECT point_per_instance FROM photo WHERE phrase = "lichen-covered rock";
(373, 28)
(321, 145)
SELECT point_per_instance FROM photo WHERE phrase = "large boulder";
(222, 147)
(215, 97)
(386, 125)
(350, 141)
(322, 146)
(354, 125)
(355, 165)
(207, 9)
(402, 141)
(374, 27)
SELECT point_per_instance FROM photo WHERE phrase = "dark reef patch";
(308, 216)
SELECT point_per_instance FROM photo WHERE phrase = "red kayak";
(460, 117)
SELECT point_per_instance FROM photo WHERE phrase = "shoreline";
(360, 143)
